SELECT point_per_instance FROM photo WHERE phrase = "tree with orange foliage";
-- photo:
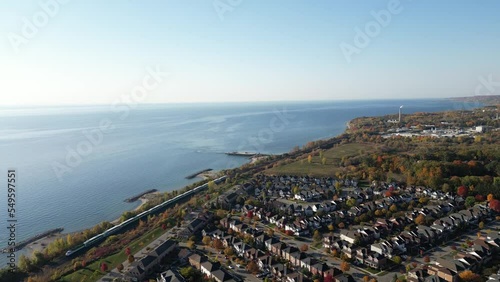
(345, 266)
(218, 244)
(469, 276)
(420, 219)
(490, 197)
(252, 267)
(335, 253)
(304, 248)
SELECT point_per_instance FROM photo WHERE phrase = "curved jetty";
(136, 197)
(23, 243)
(191, 176)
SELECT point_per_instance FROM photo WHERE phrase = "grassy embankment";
(332, 156)
(92, 271)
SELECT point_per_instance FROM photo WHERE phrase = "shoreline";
(41, 244)
(143, 199)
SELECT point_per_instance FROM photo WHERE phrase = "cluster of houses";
(478, 253)
(299, 205)
(195, 225)
(276, 192)
(311, 188)
(300, 218)
(273, 256)
(140, 269)
(211, 269)
(375, 245)
(371, 245)
(147, 265)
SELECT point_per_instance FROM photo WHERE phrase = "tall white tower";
(400, 113)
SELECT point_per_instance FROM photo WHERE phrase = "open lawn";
(92, 271)
(327, 164)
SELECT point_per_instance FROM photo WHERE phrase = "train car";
(141, 214)
(112, 230)
(115, 228)
(93, 239)
(126, 222)
(78, 248)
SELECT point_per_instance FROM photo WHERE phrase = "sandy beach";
(208, 175)
(144, 199)
(41, 244)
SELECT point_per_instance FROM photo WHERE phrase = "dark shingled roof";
(163, 247)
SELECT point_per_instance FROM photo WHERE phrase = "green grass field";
(92, 272)
(330, 167)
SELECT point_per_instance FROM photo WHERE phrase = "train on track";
(92, 241)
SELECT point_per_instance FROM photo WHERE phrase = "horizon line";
(231, 102)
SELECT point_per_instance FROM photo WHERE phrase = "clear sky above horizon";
(97, 52)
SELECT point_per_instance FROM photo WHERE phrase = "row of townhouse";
(196, 225)
(348, 242)
(408, 241)
(296, 259)
(303, 182)
(328, 210)
(145, 266)
(210, 269)
(473, 258)
(311, 189)
(267, 249)
(422, 236)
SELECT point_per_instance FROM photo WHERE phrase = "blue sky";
(95, 52)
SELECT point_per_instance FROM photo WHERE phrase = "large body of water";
(154, 146)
